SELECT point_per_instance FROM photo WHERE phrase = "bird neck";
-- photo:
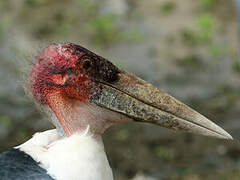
(72, 116)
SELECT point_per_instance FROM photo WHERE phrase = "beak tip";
(212, 129)
(228, 137)
(224, 135)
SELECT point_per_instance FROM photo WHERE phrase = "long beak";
(143, 102)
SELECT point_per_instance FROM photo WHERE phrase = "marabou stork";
(84, 94)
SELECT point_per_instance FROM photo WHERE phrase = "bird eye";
(87, 64)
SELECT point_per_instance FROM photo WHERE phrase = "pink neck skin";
(75, 116)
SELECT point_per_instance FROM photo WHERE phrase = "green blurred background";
(187, 48)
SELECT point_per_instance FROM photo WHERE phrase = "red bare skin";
(64, 78)
(49, 74)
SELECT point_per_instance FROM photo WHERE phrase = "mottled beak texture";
(143, 102)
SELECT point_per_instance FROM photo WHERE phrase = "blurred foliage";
(217, 50)
(133, 35)
(191, 62)
(37, 2)
(5, 122)
(22, 133)
(104, 30)
(206, 25)
(205, 30)
(4, 26)
(207, 4)
(101, 28)
(89, 8)
(122, 135)
(165, 153)
(168, 7)
(189, 37)
(236, 66)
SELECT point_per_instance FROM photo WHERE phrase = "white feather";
(78, 157)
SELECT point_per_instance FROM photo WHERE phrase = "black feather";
(17, 165)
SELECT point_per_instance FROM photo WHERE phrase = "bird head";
(70, 70)
(82, 89)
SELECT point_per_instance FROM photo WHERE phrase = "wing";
(17, 165)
